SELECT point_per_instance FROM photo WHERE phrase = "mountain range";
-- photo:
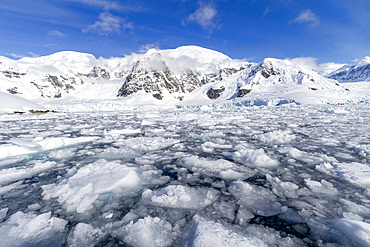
(186, 75)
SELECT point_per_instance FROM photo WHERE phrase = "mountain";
(63, 74)
(358, 70)
(274, 80)
(185, 75)
(178, 72)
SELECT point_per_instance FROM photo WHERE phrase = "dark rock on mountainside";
(99, 72)
(243, 92)
(215, 93)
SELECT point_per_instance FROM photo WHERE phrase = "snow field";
(258, 176)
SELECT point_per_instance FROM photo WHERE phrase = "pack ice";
(291, 175)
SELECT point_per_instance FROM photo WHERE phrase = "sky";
(321, 30)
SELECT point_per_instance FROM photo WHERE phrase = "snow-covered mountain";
(178, 72)
(358, 70)
(186, 75)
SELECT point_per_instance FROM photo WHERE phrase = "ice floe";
(27, 229)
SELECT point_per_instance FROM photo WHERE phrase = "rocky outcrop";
(98, 72)
(215, 93)
(160, 78)
(53, 86)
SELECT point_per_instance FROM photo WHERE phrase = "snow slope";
(12, 103)
(358, 70)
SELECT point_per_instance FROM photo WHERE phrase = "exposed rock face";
(215, 93)
(99, 72)
(243, 92)
(52, 86)
(155, 79)
(13, 74)
(152, 81)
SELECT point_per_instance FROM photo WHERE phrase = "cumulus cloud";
(308, 17)
(108, 23)
(204, 16)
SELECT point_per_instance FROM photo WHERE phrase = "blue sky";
(329, 30)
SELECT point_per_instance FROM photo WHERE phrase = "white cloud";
(307, 17)
(311, 63)
(107, 5)
(146, 47)
(56, 33)
(267, 10)
(13, 55)
(204, 16)
(108, 23)
(18, 56)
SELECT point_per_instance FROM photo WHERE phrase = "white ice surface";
(98, 180)
(134, 147)
(84, 235)
(178, 196)
(147, 232)
(356, 173)
(219, 168)
(257, 199)
(254, 157)
(23, 229)
(17, 173)
(358, 231)
(20, 147)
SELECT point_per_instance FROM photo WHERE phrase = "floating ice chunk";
(146, 122)
(80, 191)
(276, 136)
(19, 147)
(328, 141)
(302, 156)
(291, 152)
(258, 200)
(84, 235)
(352, 216)
(178, 196)
(208, 147)
(283, 189)
(16, 173)
(119, 132)
(7, 188)
(34, 207)
(356, 208)
(219, 168)
(356, 230)
(243, 216)
(3, 212)
(59, 142)
(356, 173)
(147, 232)
(206, 233)
(323, 187)
(134, 147)
(22, 229)
(62, 154)
(253, 157)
